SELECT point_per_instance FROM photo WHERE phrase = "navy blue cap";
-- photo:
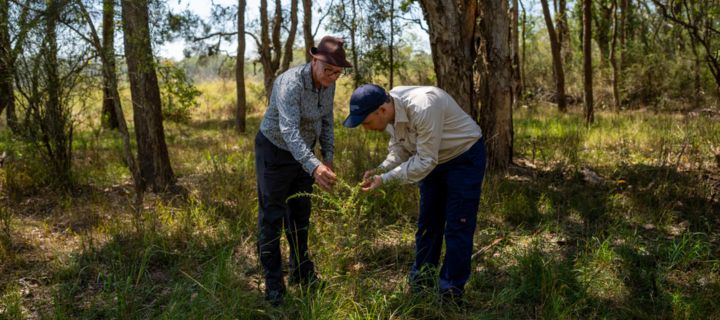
(364, 101)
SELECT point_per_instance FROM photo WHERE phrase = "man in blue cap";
(300, 112)
(433, 142)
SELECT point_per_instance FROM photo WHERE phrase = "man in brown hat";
(300, 113)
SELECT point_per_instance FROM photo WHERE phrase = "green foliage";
(689, 249)
(346, 207)
(25, 171)
(177, 93)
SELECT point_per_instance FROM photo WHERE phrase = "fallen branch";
(486, 248)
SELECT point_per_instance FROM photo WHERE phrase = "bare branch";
(215, 34)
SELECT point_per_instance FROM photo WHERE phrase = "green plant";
(177, 93)
(348, 205)
(686, 250)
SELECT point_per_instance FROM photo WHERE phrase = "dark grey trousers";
(279, 176)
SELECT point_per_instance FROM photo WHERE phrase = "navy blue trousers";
(279, 176)
(449, 199)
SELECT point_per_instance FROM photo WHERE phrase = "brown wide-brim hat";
(331, 50)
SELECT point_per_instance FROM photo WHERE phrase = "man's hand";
(371, 183)
(329, 164)
(324, 177)
(369, 174)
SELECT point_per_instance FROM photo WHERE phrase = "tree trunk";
(110, 119)
(613, 58)
(7, 93)
(623, 30)
(288, 56)
(603, 23)
(557, 59)
(307, 28)
(496, 96)
(452, 36)
(270, 47)
(357, 76)
(276, 43)
(587, 61)
(392, 43)
(240, 69)
(117, 107)
(56, 138)
(515, 40)
(265, 51)
(564, 32)
(524, 46)
(6, 74)
(153, 156)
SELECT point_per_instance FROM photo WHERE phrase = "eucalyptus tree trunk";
(613, 59)
(515, 40)
(357, 76)
(110, 119)
(587, 61)
(7, 70)
(117, 107)
(624, 5)
(241, 110)
(557, 59)
(153, 158)
(307, 28)
(495, 90)
(391, 52)
(563, 32)
(270, 46)
(288, 56)
(265, 51)
(602, 25)
(56, 136)
(451, 26)
(524, 46)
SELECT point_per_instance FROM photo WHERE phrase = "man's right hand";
(368, 174)
(324, 177)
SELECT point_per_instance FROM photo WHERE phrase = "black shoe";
(275, 296)
(451, 297)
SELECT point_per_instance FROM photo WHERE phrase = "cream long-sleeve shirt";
(430, 128)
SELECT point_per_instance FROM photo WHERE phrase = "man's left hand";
(329, 164)
(371, 183)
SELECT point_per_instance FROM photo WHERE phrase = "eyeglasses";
(330, 72)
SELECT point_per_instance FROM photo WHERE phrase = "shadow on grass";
(641, 212)
(153, 274)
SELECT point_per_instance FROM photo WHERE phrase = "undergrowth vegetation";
(617, 220)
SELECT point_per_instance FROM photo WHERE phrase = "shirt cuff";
(392, 175)
(310, 165)
(328, 157)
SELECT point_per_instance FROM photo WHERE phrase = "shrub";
(177, 92)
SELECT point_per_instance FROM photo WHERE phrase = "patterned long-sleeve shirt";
(298, 115)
